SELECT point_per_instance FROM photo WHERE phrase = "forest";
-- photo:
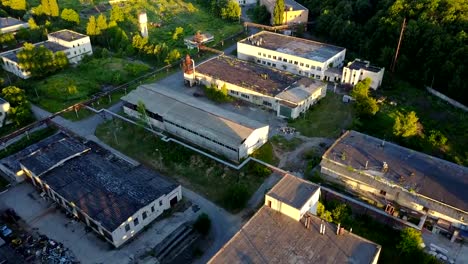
(434, 47)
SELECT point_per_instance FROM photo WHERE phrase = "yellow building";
(294, 13)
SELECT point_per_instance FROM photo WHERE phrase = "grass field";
(76, 84)
(325, 119)
(284, 144)
(194, 171)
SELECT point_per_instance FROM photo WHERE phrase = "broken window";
(136, 221)
(144, 215)
(127, 227)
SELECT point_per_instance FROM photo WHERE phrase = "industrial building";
(10, 24)
(358, 70)
(111, 196)
(294, 13)
(4, 108)
(208, 126)
(288, 95)
(73, 44)
(296, 55)
(401, 179)
(285, 230)
(198, 39)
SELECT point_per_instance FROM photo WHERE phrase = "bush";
(236, 197)
(410, 242)
(202, 224)
(436, 138)
(218, 95)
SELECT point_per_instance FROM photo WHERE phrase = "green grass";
(265, 153)
(325, 119)
(76, 84)
(194, 171)
(284, 144)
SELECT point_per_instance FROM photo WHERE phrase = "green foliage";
(20, 111)
(15, 4)
(91, 28)
(32, 24)
(70, 15)
(40, 61)
(341, 214)
(236, 197)
(50, 8)
(101, 22)
(436, 138)
(406, 125)
(117, 14)
(217, 95)
(34, 137)
(278, 12)
(365, 105)
(323, 213)
(411, 240)
(202, 224)
(172, 57)
(178, 32)
(260, 14)
(231, 11)
(7, 39)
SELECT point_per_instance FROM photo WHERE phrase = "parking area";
(42, 215)
(443, 249)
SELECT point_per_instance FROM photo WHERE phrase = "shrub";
(203, 224)
(236, 197)
(411, 241)
(436, 138)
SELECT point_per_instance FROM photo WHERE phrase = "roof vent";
(384, 167)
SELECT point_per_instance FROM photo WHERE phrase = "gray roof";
(252, 76)
(300, 47)
(230, 128)
(67, 35)
(271, 237)
(12, 162)
(301, 90)
(293, 191)
(54, 47)
(10, 21)
(429, 176)
(102, 185)
(52, 155)
(358, 64)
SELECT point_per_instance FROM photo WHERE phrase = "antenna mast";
(399, 44)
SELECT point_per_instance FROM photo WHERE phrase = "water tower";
(143, 20)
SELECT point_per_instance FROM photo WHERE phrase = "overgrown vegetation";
(397, 246)
(202, 224)
(26, 141)
(222, 185)
(259, 14)
(219, 95)
(434, 48)
(284, 144)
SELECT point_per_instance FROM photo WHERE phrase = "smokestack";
(351, 230)
(338, 229)
(367, 163)
(321, 227)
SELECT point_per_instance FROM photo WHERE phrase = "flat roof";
(54, 47)
(271, 237)
(300, 47)
(293, 191)
(358, 64)
(261, 79)
(301, 90)
(67, 35)
(10, 21)
(102, 185)
(429, 176)
(230, 128)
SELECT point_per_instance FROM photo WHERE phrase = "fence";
(447, 99)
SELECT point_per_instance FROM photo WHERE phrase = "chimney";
(338, 229)
(351, 230)
(321, 227)
(367, 163)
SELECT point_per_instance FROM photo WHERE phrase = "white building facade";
(358, 70)
(10, 24)
(295, 55)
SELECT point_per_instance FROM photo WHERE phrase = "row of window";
(144, 215)
(290, 61)
(241, 94)
(200, 135)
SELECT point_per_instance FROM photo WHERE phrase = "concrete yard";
(43, 216)
(455, 251)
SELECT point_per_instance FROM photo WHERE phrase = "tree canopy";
(231, 11)
(365, 105)
(91, 28)
(20, 111)
(40, 61)
(411, 240)
(406, 125)
(50, 8)
(70, 15)
(15, 4)
(278, 12)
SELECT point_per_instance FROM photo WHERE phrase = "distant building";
(4, 108)
(397, 177)
(112, 197)
(296, 55)
(359, 70)
(208, 126)
(9, 24)
(285, 230)
(287, 94)
(294, 13)
(73, 44)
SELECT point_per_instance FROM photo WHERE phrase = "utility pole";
(399, 44)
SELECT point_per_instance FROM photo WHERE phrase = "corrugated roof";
(271, 237)
(210, 120)
(301, 90)
(293, 191)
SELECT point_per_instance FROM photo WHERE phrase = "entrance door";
(173, 201)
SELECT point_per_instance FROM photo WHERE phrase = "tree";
(117, 14)
(50, 8)
(32, 24)
(411, 241)
(203, 224)
(406, 125)
(323, 213)
(17, 4)
(231, 11)
(101, 22)
(173, 56)
(91, 28)
(20, 111)
(278, 12)
(70, 15)
(340, 213)
(236, 197)
(365, 105)
(40, 61)
(7, 39)
(178, 31)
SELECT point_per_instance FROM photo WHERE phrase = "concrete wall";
(254, 141)
(447, 99)
(358, 181)
(306, 104)
(286, 62)
(283, 208)
(311, 204)
(352, 77)
(291, 16)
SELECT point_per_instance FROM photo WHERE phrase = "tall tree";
(231, 11)
(365, 105)
(20, 110)
(50, 8)
(40, 61)
(92, 28)
(101, 22)
(278, 12)
(70, 15)
(18, 5)
(117, 14)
